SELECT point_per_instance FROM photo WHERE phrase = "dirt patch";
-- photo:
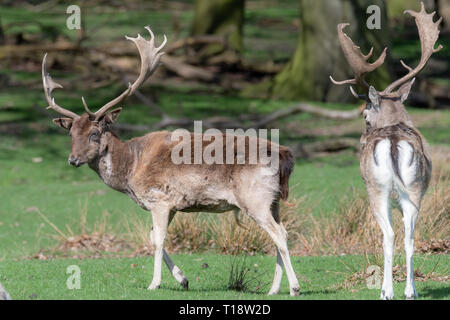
(441, 246)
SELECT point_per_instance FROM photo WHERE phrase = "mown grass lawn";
(128, 278)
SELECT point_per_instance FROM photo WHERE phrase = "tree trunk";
(319, 54)
(220, 17)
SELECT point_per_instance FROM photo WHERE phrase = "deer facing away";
(142, 168)
(395, 158)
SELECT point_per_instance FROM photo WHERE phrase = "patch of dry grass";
(192, 232)
(352, 229)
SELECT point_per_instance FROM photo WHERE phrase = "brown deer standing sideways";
(395, 158)
(142, 168)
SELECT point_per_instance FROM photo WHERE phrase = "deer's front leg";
(160, 216)
(174, 270)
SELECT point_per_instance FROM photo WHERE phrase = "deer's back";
(199, 187)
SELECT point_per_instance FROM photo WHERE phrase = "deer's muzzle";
(74, 161)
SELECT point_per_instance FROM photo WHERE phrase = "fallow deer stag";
(395, 158)
(143, 169)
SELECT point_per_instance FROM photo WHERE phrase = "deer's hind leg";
(409, 200)
(410, 212)
(276, 284)
(266, 215)
(381, 208)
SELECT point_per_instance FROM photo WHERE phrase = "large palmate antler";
(356, 60)
(428, 33)
(49, 86)
(150, 56)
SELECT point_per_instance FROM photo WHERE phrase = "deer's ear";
(404, 90)
(112, 116)
(374, 98)
(65, 123)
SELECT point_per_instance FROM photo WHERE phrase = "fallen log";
(314, 149)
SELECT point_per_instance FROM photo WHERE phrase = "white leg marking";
(410, 214)
(383, 215)
(279, 236)
(160, 218)
(175, 271)
(276, 284)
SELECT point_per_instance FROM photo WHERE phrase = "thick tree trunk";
(318, 52)
(220, 17)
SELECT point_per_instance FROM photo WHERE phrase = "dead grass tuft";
(243, 277)
(92, 242)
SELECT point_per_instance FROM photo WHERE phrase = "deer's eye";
(94, 135)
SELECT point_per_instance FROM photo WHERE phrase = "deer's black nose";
(74, 161)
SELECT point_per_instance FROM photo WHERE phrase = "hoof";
(273, 292)
(385, 296)
(412, 296)
(185, 284)
(153, 287)
(410, 293)
(295, 292)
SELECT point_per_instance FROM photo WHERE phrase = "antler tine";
(49, 86)
(356, 59)
(150, 57)
(89, 112)
(428, 34)
(356, 95)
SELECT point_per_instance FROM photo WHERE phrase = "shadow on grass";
(435, 293)
(258, 293)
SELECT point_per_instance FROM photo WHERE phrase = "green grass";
(128, 278)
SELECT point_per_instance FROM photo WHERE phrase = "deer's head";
(89, 130)
(384, 108)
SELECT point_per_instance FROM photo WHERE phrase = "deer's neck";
(116, 163)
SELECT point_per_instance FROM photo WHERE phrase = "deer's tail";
(287, 162)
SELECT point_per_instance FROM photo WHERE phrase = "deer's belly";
(219, 207)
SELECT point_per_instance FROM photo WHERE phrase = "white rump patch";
(406, 163)
(382, 167)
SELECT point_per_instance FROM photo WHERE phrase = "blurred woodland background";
(265, 50)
